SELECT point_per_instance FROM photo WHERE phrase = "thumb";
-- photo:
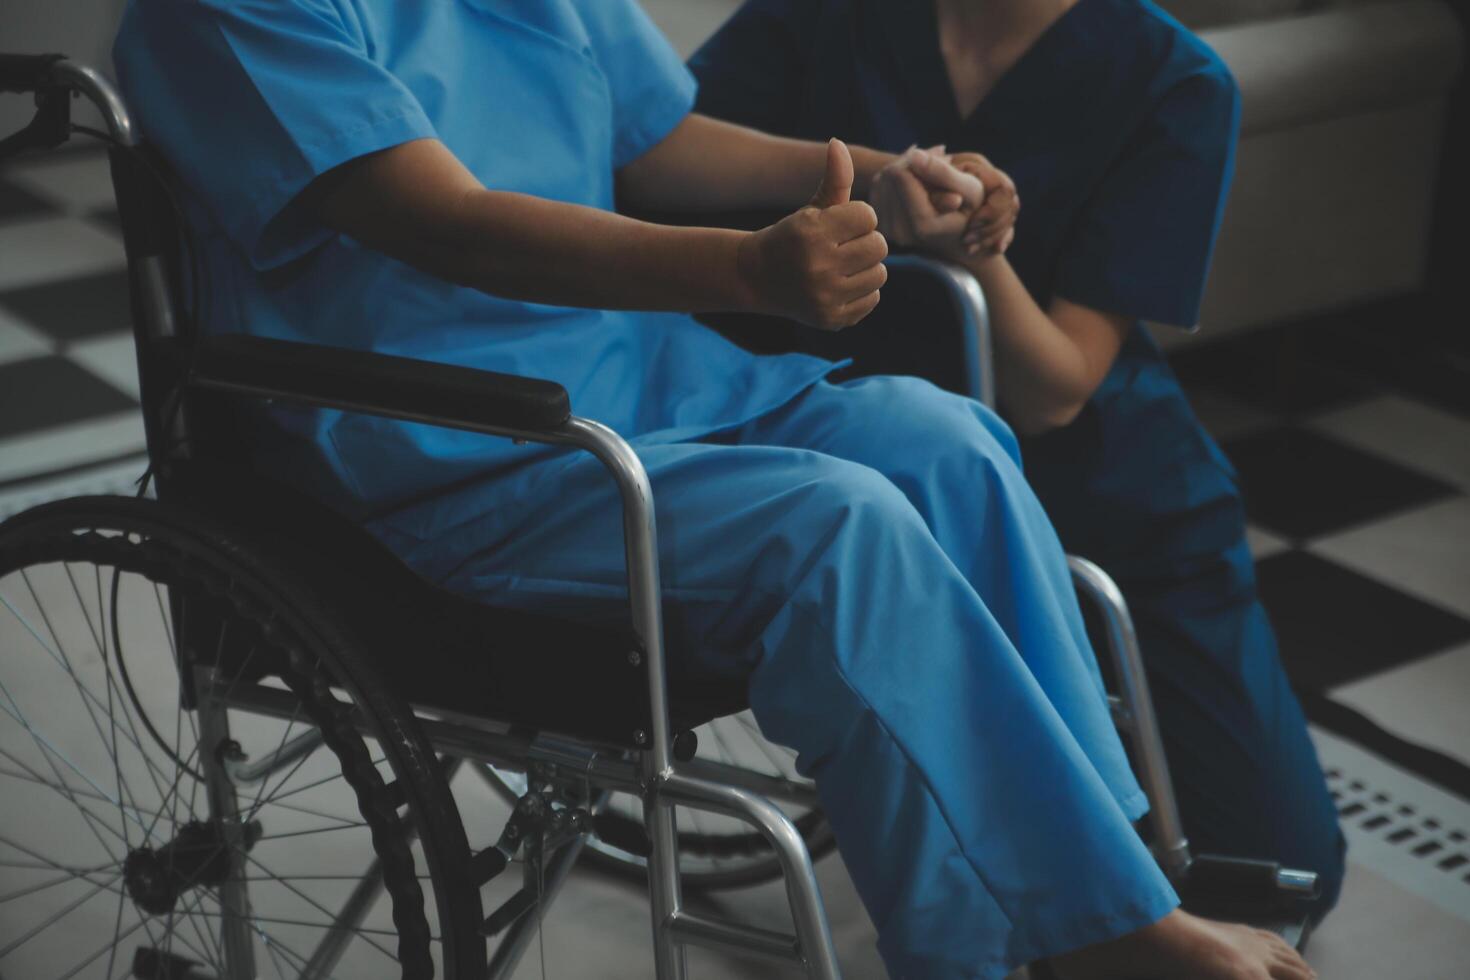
(836, 185)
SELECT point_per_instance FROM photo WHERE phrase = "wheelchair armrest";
(378, 384)
(972, 315)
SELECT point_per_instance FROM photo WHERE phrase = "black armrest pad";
(377, 384)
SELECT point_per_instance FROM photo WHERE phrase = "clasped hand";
(823, 265)
(953, 206)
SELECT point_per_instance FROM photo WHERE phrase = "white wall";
(80, 29)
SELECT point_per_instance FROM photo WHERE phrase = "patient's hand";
(921, 206)
(822, 265)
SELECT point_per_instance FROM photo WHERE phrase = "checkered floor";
(1355, 466)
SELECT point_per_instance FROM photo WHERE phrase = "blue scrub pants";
(871, 557)
(1138, 486)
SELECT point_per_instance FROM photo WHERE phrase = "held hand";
(993, 226)
(822, 265)
(952, 197)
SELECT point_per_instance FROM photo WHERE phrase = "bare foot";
(1181, 946)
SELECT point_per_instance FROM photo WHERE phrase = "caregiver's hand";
(822, 265)
(993, 226)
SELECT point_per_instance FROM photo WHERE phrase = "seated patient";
(437, 180)
(1117, 126)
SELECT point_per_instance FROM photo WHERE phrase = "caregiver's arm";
(706, 164)
(1048, 361)
(418, 203)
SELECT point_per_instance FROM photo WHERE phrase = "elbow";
(1038, 420)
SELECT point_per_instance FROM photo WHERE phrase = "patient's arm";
(709, 165)
(418, 203)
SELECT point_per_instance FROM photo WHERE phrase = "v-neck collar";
(916, 24)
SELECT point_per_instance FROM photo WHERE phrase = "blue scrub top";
(1118, 127)
(251, 100)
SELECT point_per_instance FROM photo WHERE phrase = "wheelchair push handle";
(27, 72)
(51, 126)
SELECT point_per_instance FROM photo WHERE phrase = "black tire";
(251, 620)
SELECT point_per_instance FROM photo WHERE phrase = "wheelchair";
(238, 738)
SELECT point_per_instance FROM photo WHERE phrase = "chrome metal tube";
(686, 928)
(968, 298)
(791, 791)
(1170, 844)
(813, 935)
(103, 94)
(245, 773)
(512, 947)
(224, 810)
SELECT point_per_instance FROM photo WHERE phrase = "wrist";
(749, 268)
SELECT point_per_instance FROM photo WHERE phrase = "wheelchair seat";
(447, 652)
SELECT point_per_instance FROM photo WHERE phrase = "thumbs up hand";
(822, 265)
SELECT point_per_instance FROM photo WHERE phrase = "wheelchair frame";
(656, 776)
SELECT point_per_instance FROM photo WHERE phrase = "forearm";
(709, 165)
(1044, 373)
(529, 248)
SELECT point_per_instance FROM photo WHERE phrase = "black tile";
(44, 391)
(1302, 485)
(1336, 626)
(18, 203)
(1274, 370)
(73, 309)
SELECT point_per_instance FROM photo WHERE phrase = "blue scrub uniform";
(1118, 128)
(884, 579)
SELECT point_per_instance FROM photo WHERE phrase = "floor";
(1354, 454)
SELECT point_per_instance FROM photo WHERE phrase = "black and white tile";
(68, 378)
(1355, 466)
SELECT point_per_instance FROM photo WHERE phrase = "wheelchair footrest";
(1260, 893)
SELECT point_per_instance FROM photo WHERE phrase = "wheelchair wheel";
(715, 852)
(199, 776)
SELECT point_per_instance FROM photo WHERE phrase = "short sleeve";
(651, 89)
(1142, 244)
(251, 100)
(751, 70)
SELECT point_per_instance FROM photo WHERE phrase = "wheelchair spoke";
(96, 889)
(30, 776)
(156, 833)
(116, 934)
(91, 702)
(97, 954)
(331, 916)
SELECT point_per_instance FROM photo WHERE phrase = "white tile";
(1381, 930)
(19, 341)
(32, 252)
(78, 183)
(37, 453)
(1407, 432)
(1224, 417)
(109, 478)
(1423, 701)
(1264, 544)
(112, 357)
(1425, 552)
(1381, 789)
